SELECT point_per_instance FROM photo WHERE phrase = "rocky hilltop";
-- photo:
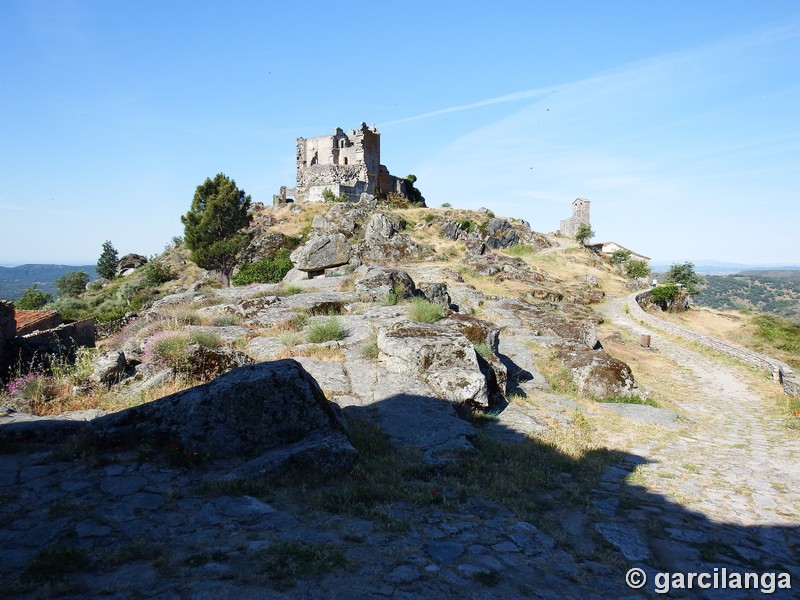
(412, 412)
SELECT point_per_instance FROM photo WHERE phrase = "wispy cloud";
(515, 97)
(682, 140)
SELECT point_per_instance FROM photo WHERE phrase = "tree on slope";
(214, 225)
(685, 275)
(584, 233)
(72, 284)
(107, 263)
(32, 299)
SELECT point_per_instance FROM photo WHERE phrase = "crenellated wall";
(779, 370)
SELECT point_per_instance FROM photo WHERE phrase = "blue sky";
(678, 120)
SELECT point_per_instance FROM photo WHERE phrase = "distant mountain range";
(15, 280)
(712, 267)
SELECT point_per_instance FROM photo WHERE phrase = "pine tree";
(213, 226)
(107, 263)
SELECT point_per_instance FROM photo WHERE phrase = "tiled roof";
(27, 319)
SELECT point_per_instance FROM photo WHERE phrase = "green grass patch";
(54, 562)
(370, 349)
(205, 339)
(290, 339)
(390, 298)
(628, 400)
(483, 349)
(266, 270)
(778, 333)
(326, 330)
(423, 311)
(287, 561)
(520, 249)
(225, 321)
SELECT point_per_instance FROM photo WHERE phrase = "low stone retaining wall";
(779, 370)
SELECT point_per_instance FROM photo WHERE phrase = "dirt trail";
(735, 463)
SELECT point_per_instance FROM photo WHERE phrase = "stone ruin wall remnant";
(344, 163)
(580, 216)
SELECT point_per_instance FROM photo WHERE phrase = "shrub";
(429, 218)
(663, 295)
(71, 309)
(781, 333)
(170, 348)
(326, 330)
(266, 270)
(425, 312)
(154, 273)
(446, 205)
(468, 226)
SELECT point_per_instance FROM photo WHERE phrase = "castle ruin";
(580, 216)
(344, 163)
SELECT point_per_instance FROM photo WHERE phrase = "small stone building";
(32, 337)
(30, 321)
(609, 248)
(580, 216)
(344, 163)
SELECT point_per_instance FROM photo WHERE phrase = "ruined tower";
(580, 216)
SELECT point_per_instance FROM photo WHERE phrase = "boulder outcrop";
(598, 375)
(274, 413)
(322, 252)
(443, 358)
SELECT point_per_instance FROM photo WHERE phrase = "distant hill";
(763, 291)
(793, 274)
(15, 280)
(711, 267)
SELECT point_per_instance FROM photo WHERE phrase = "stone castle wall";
(779, 370)
(344, 163)
(580, 216)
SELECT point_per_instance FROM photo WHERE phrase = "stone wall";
(345, 163)
(779, 370)
(580, 216)
(61, 341)
(8, 329)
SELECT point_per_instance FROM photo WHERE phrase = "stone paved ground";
(718, 494)
(723, 491)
